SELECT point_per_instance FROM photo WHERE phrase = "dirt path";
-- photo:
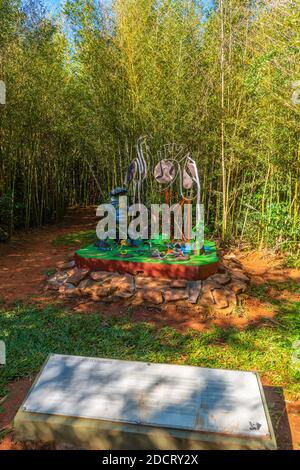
(25, 260)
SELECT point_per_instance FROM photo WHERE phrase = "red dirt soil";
(27, 257)
(284, 415)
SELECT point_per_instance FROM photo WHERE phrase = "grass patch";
(31, 333)
(49, 271)
(292, 261)
(289, 285)
(258, 291)
(76, 238)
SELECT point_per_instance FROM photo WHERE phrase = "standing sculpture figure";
(2, 92)
(137, 170)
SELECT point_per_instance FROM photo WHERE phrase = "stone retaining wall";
(219, 291)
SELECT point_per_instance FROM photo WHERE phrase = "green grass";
(31, 334)
(292, 261)
(289, 285)
(76, 238)
(260, 290)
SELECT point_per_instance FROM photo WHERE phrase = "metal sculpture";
(137, 170)
(175, 167)
(166, 172)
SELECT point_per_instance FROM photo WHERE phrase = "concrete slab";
(109, 402)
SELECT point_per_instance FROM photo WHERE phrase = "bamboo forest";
(84, 84)
(149, 229)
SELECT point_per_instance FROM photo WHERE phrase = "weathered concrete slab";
(187, 403)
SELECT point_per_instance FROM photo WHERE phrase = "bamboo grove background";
(81, 87)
